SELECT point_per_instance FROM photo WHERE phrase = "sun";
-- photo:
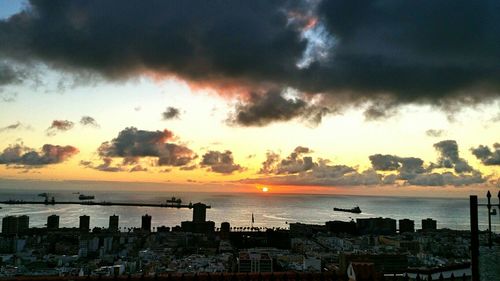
(265, 189)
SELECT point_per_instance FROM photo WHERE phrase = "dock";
(102, 203)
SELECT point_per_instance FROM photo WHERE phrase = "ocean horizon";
(268, 209)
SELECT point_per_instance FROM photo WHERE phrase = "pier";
(102, 203)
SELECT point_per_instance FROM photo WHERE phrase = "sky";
(387, 97)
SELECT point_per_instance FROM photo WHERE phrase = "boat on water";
(44, 194)
(355, 210)
(174, 200)
(86, 197)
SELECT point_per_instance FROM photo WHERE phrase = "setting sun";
(265, 189)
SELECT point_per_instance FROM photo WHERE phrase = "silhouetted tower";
(225, 228)
(146, 223)
(53, 222)
(84, 223)
(429, 225)
(23, 224)
(406, 225)
(113, 223)
(199, 212)
(10, 225)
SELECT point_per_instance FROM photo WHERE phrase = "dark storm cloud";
(384, 53)
(171, 113)
(418, 51)
(434, 133)
(220, 162)
(486, 155)
(89, 121)
(21, 155)
(263, 109)
(59, 126)
(195, 39)
(449, 157)
(133, 143)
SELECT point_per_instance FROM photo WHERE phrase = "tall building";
(53, 222)
(225, 228)
(199, 212)
(429, 224)
(10, 225)
(113, 223)
(146, 223)
(23, 223)
(199, 224)
(84, 223)
(406, 225)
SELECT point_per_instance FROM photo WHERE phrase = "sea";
(269, 210)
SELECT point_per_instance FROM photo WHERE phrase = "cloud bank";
(23, 156)
(132, 143)
(300, 169)
(220, 162)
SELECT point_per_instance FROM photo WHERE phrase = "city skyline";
(246, 97)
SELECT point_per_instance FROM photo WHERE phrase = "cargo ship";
(86, 197)
(355, 210)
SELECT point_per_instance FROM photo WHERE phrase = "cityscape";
(254, 140)
(366, 248)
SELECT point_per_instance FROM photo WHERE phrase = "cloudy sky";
(386, 97)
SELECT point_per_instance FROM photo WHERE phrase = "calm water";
(270, 210)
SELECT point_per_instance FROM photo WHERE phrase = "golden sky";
(249, 96)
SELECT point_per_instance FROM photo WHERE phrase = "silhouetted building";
(23, 224)
(199, 223)
(198, 227)
(84, 223)
(199, 212)
(113, 223)
(225, 227)
(146, 223)
(341, 227)
(429, 224)
(53, 222)
(378, 226)
(10, 225)
(254, 262)
(406, 225)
